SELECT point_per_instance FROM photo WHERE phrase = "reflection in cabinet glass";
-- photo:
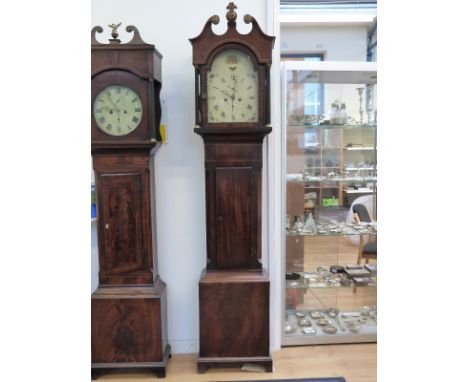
(330, 156)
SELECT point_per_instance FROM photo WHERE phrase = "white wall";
(338, 43)
(180, 188)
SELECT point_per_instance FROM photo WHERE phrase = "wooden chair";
(367, 250)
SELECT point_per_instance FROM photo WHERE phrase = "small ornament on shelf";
(338, 114)
(370, 104)
(361, 110)
(343, 114)
(298, 224)
(309, 224)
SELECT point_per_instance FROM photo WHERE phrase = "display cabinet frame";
(350, 73)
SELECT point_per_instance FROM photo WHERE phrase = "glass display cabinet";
(329, 202)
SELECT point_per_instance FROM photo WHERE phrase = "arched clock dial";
(117, 110)
(232, 88)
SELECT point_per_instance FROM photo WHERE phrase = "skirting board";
(184, 346)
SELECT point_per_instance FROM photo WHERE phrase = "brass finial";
(231, 15)
(114, 33)
(214, 19)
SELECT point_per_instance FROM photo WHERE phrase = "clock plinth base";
(157, 368)
(234, 319)
(129, 328)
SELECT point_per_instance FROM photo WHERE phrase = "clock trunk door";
(235, 214)
(122, 222)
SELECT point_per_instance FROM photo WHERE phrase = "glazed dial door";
(232, 88)
(117, 110)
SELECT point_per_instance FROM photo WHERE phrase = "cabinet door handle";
(220, 219)
(106, 226)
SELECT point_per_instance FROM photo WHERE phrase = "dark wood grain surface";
(126, 330)
(124, 219)
(233, 175)
(234, 314)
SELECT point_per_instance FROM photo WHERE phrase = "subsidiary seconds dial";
(232, 88)
(117, 110)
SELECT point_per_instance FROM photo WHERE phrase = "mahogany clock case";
(234, 289)
(206, 47)
(126, 251)
(233, 178)
(128, 309)
(233, 151)
(234, 319)
(129, 329)
(136, 65)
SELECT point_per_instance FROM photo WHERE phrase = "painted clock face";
(232, 88)
(117, 110)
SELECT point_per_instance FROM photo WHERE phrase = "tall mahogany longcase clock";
(128, 309)
(232, 91)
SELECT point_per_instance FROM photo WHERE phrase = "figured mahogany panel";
(124, 227)
(122, 217)
(126, 330)
(234, 309)
(234, 187)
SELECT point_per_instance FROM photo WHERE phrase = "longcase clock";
(232, 91)
(128, 309)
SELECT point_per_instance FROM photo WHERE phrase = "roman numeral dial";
(117, 110)
(232, 88)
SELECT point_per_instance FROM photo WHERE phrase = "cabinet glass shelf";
(326, 126)
(303, 285)
(359, 191)
(329, 165)
(308, 178)
(316, 233)
(358, 148)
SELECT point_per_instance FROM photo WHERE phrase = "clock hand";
(117, 109)
(233, 96)
(225, 92)
(234, 89)
(110, 99)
